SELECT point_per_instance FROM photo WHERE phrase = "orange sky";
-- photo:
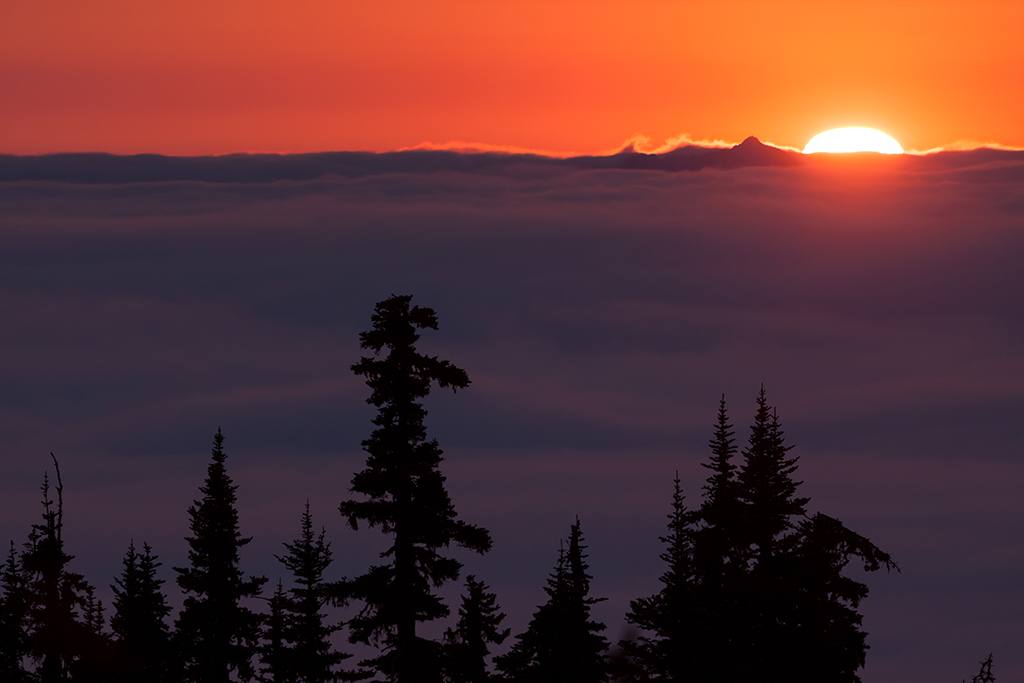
(209, 76)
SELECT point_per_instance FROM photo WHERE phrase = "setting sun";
(853, 140)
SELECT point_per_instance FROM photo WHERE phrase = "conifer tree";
(722, 557)
(765, 483)
(984, 675)
(139, 620)
(275, 654)
(763, 595)
(95, 661)
(55, 593)
(312, 657)
(216, 634)
(673, 616)
(562, 644)
(466, 646)
(14, 607)
(821, 631)
(404, 495)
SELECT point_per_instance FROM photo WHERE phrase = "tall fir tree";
(822, 636)
(312, 656)
(766, 599)
(215, 634)
(765, 483)
(139, 620)
(404, 495)
(562, 644)
(722, 557)
(770, 508)
(56, 594)
(14, 613)
(672, 616)
(467, 645)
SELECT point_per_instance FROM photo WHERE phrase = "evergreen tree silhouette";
(822, 629)
(214, 633)
(14, 613)
(765, 483)
(139, 620)
(722, 557)
(767, 490)
(404, 496)
(562, 644)
(466, 646)
(754, 589)
(310, 655)
(277, 657)
(95, 661)
(673, 615)
(985, 674)
(55, 593)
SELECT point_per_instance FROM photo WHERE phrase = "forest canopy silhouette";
(754, 585)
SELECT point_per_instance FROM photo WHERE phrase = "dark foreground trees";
(142, 646)
(754, 589)
(468, 644)
(562, 644)
(215, 634)
(298, 648)
(404, 494)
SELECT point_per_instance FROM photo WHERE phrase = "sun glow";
(853, 140)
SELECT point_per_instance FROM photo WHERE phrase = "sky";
(564, 76)
(600, 306)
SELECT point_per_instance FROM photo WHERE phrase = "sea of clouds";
(601, 309)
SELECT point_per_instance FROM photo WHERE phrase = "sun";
(853, 140)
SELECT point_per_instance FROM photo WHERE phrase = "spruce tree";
(14, 612)
(312, 657)
(672, 616)
(139, 620)
(215, 634)
(562, 644)
(466, 646)
(275, 654)
(823, 641)
(95, 660)
(404, 495)
(765, 482)
(722, 557)
(55, 593)
(767, 491)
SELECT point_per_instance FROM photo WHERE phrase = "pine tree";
(277, 657)
(765, 482)
(55, 593)
(404, 496)
(95, 660)
(673, 615)
(821, 631)
(466, 646)
(562, 644)
(313, 657)
(14, 608)
(722, 556)
(215, 634)
(139, 621)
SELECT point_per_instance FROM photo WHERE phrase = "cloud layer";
(600, 305)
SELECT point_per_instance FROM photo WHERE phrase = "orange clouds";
(199, 77)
